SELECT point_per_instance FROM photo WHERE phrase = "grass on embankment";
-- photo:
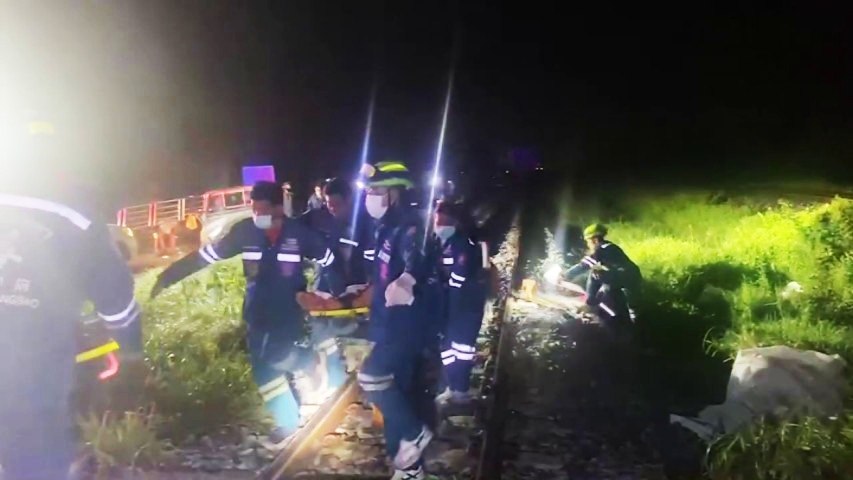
(198, 378)
(718, 273)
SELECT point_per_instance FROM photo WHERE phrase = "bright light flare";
(552, 275)
(438, 152)
(365, 151)
(435, 181)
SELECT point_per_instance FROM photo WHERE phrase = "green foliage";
(797, 332)
(199, 376)
(693, 253)
(718, 277)
(127, 440)
(808, 449)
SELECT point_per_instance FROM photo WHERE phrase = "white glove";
(399, 292)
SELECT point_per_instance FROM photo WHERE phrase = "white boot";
(411, 474)
(444, 396)
(452, 397)
(410, 451)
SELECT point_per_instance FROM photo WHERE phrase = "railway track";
(573, 389)
(537, 353)
(342, 440)
(558, 400)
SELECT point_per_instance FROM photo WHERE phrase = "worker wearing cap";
(272, 248)
(465, 284)
(611, 272)
(54, 257)
(396, 325)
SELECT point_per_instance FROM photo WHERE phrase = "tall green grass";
(200, 375)
(197, 377)
(718, 276)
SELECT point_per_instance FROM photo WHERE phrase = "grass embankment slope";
(198, 377)
(718, 274)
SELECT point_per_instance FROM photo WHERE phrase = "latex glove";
(399, 292)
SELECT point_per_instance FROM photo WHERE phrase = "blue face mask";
(444, 233)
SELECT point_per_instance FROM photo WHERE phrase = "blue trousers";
(593, 285)
(37, 439)
(388, 374)
(324, 337)
(460, 348)
(611, 303)
(274, 354)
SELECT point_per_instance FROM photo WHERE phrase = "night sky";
(604, 93)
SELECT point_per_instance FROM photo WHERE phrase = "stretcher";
(340, 313)
(342, 325)
(354, 354)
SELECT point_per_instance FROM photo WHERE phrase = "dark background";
(172, 97)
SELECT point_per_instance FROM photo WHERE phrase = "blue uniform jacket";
(273, 270)
(53, 259)
(461, 265)
(353, 247)
(609, 264)
(398, 251)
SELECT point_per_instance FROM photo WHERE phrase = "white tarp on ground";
(776, 381)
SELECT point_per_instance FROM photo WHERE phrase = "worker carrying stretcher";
(272, 247)
(349, 232)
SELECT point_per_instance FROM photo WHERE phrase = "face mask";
(444, 233)
(263, 222)
(375, 205)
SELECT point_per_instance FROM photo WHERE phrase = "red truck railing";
(177, 210)
(157, 213)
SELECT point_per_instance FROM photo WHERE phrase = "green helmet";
(387, 174)
(594, 230)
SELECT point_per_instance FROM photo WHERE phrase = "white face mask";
(376, 205)
(444, 232)
(263, 222)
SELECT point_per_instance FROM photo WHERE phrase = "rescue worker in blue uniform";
(272, 247)
(465, 285)
(350, 235)
(396, 325)
(612, 276)
(54, 257)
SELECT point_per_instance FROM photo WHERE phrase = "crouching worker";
(465, 282)
(272, 248)
(612, 276)
(396, 323)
